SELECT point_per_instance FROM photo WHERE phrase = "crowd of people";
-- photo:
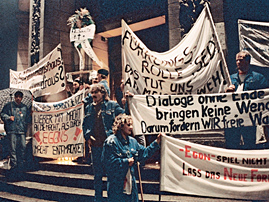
(103, 118)
(107, 128)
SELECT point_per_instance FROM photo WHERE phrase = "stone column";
(36, 22)
(174, 23)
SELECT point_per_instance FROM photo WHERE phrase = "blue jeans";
(98, 173)
(17, 149)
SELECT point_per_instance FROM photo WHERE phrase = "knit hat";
(103, 71)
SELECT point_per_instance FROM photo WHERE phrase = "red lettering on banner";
(54, 137)
(258, 177)
(195, 154)
(234, 176)
(187, 151)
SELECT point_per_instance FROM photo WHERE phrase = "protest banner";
(195, 66)
(57, 128)
(254, 37)
(179, 114)
(190, 168)
(80, 36)
(43, 78)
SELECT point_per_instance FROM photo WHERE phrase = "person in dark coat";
(121, 152)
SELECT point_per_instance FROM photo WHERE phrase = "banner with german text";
(80, 36)
(189, 168)
(44, 78)
(57, 128)
(195, 66)
(178, 114)
(254, 37)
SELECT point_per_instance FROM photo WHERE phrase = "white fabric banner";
(178, 114)
(57, 128)
(195, 66)
(82, 33)
(44, 78)
(189, 168)
(81, 36)
(254, 37)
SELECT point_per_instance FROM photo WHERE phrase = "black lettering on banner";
(132, 85)
(254, 161)
(253, 107)
(169, 101)
(259, 119)
(153, 128)
(181, 115)
(180, 89)
(68, 149)
(69, 103)
(206, 56)
(156, 71)
(125, 36)
(205, 99)
(211, 123)
(194, 172)
(212, 175)
(41, 107)
(188, 54)
(40, 149)
(77, 99)
(155, 84)
(74, 114)
(187, 58)
(228, 159)
(248, 96)
(215, 111)
(130, 70)
(61, 72)
(218, 123)
(184, 126)
(47, 82)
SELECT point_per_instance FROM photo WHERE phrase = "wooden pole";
(140, 182)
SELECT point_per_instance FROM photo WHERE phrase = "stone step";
(48, 192)
(5, 196)
(81, 175)
(62, 182)
(78, 180)
(51, 181)
(28, 190)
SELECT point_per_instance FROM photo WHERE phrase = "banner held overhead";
(195, 66)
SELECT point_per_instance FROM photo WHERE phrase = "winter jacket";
(22, 118)
(109, 110)
(253, 81)
(116, 151)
